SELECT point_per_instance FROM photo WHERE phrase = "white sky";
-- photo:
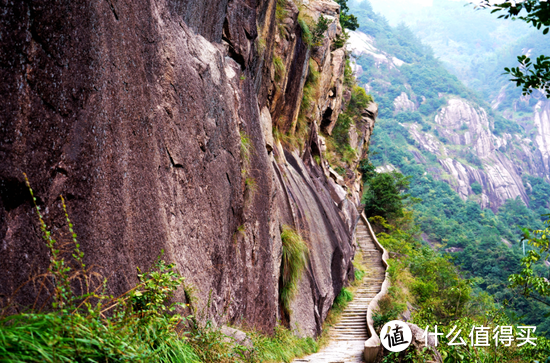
(396, 11)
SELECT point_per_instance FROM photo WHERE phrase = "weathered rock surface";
(464, 125)
(136, 113)
(403, 104)
(542, 138)
(360, 43)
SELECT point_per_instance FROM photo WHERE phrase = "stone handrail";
(372, 345)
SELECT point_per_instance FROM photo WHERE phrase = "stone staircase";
(348, 336)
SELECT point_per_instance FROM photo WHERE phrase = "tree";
(347, 20)
(532, 284)
(530, 74)
(367, 170)
(384, 195)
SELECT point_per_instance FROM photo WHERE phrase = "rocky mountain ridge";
(461, 135)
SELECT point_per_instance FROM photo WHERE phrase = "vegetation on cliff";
(293, 261)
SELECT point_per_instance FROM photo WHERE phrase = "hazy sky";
(397, 11)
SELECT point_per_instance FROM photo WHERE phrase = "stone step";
(347, 337)
(353, 321)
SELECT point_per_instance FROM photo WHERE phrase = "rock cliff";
(477, 159)
(179, 126)
(472, 153)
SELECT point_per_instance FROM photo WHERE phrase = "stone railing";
(372, 345)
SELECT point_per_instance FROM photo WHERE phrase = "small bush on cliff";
(318, 31)
(347, 20)
(359, 101)
(476, 188)
(340, 40)
(313, 32)
(292, 264)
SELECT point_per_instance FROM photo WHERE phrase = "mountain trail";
(348, 336)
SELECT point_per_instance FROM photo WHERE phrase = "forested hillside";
(476, 46)
(476, 176)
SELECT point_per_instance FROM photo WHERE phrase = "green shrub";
(340, 40)
(476, 188)
(383, 195)
(347, 20)
(293, 261)
(318, 31)
(387, 310)
(359, 100)
(367, 170)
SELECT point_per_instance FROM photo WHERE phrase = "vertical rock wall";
(137, 112)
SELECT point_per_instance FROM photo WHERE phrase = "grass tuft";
(279, 68)
(251, 185)
(280, 14)
(246, 146)
(292, 264)
(284, 346)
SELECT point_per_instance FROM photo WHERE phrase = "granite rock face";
(542, 138)
(484, 158)
(137, 113)
(403, 104)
